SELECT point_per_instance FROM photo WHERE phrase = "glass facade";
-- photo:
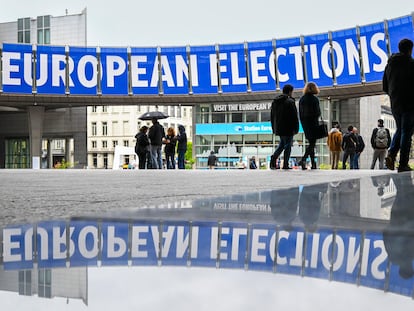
(17, 153)
(240, 131)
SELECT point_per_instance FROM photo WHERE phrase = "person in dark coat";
(360, 146)
(398, 82)
(212, 160)
(142, 147)
(156, 135)
(309, 113)
(182, 146)
(285, 123)
(169, 149)
(349, 143)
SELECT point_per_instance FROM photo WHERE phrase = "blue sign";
(352, 56)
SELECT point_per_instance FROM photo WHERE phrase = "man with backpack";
(380, 141)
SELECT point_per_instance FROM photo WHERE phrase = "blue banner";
(174, 70)
(346, 57)
(51, 70)
(144, 71)
(346, 256)
(114, 63)
(232, 68)
(235, 128)
(373, 51)
(262, 66)
(290, 62)
(318, 59)
(204, 70)
(17, 69)
(83, 71)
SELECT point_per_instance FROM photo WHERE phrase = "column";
(35, 115)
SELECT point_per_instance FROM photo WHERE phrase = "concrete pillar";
(35, 115)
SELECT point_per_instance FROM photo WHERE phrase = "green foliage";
(188, 157)
(64, 165)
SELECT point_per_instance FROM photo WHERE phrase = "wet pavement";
(33, 195)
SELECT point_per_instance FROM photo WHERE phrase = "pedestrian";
(380, 141)
(359, 147)
(349, 146)
(285, 123)
(253, 165)
(334, 143)
(309, 113)
(212, 160)
(156, 135)
(398, 82)
(182, 146)
(169, 149)
(142, 147)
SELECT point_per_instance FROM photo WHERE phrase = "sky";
(195, 22)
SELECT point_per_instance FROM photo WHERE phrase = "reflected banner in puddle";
(359, 231)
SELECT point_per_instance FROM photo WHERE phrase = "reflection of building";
(64, 129)
(47, 283)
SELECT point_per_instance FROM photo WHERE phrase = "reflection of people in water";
(284, 206)
(399, 236)
(381, 182)
(345, 198)
(310, 202)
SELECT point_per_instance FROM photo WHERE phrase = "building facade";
(64, 130)
(111, 126)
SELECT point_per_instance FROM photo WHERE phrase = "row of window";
(172, 111)
(105, 143)
(43, 30)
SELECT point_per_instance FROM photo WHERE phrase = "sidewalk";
(28, 196)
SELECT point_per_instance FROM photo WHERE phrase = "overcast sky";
(196, 22)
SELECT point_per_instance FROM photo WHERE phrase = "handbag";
(321, 130)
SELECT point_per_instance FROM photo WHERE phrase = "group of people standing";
(149, 142)
(398, 83)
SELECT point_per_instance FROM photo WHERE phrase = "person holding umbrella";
(156, 135)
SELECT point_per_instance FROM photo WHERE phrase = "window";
(236, 117)
(114, 143)
(104, 128)
(45, 283)
(105, 160)
(115, 129)
(94, 108)
(104, 108)
(43, 29)
(93, 128)
(95, 159)
(94, 144)
(25, 282)
(125, 128)
(104, 144)
(126, 143)
(23, 30)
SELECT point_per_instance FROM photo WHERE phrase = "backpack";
(381, 138)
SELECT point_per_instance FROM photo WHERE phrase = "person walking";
(169, 149)
(380, 141)
(285, 123)
(182, 146)
(156, 135)
(142, 147)
(349, 146)
(359, 147)
(334, 143)
(309, 113)
(398, 82)
(212, 160)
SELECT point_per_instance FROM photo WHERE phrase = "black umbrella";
(153, 114)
